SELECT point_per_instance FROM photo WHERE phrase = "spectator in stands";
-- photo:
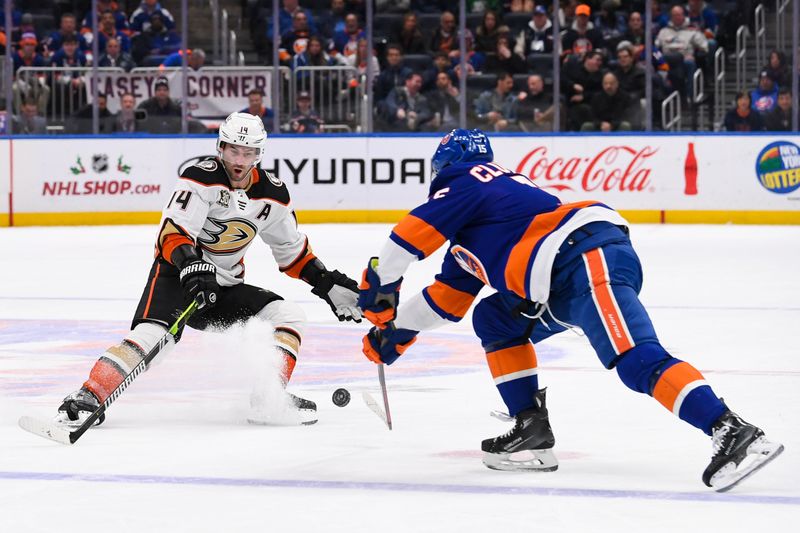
(660, 20)
(28, 122)
(780, 118)
(498, 108)
(313, 56)
(346, 42)
(126, 119)
(537, 37)
(255, 106)
(611, 108)
(31, 88)
(684, 47)
(702, 17)
(566, 13)
(487, 33)
(304, 119)
(115, 57)
(67, 26)
(582, 36)
(611, 25)
(441, 63)
(155, 40)
(504, 59)
(408, 35)
(742, 117)
(286, 18)
(535, 110)
(444, 39)
(635, 34)
(195, 60)
(395, 73)
(82, 120)
(632, 77)
(778, 70)
(120, 19)
(163, 113)
(27, 56)
(359, 62)
(69, 55)
(765, 97)
(108, 30)
(332, 21)
(406, 108)
(444, 104)
(295, 41)
(142, 17)
(580, 81)
(475, 59)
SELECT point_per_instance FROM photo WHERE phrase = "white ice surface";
(175, 454)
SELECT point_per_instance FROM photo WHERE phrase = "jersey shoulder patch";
(269, 187)
(207, 172)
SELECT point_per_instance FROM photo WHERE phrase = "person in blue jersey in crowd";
(554, 266)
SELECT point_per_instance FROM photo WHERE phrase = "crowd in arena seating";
(414, 59)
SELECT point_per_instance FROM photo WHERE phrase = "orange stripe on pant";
(419, 234)
(512, 363)
(675, 384)
(606, 302)
(451, 301)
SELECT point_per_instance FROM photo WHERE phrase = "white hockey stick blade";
(374, 407)
(46, 429)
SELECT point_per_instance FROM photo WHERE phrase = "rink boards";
(377, 178)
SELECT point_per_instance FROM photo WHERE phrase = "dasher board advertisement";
(657, 178)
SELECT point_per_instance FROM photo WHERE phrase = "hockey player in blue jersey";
(553, 266)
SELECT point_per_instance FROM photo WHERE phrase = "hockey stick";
(59, 433)
(384, 415)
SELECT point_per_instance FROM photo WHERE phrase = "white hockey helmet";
(243, 129)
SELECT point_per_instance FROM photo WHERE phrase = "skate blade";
(523, 461)
(760, 453)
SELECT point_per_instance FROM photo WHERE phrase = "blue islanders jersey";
(503, 231)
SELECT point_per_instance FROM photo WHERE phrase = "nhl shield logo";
(224, 198)
(100, 163)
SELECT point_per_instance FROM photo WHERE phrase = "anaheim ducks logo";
(227, 236)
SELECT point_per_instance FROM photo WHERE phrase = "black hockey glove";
(339, 291)
(198, 277)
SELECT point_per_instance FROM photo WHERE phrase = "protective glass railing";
(182, 66)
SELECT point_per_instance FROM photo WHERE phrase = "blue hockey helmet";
(461, 146)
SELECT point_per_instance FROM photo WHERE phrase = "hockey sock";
(288, 345)
(682, 389)
(515, 374)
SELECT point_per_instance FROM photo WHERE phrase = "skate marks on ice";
(700, 496)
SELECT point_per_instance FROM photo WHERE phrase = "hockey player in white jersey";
(218, 208)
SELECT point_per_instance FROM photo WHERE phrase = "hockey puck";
(341, 397)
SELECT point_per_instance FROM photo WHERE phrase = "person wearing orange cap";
(582, 36)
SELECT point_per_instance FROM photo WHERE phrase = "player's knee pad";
(146, 335)
(640, 367)
(285, 316)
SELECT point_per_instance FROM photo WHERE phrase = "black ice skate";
(77, 407)
(740, 449)
(297, 411)
(527, 446)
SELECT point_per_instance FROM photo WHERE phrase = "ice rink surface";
(176, 455)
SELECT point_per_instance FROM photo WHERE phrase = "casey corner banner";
(753, 179)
